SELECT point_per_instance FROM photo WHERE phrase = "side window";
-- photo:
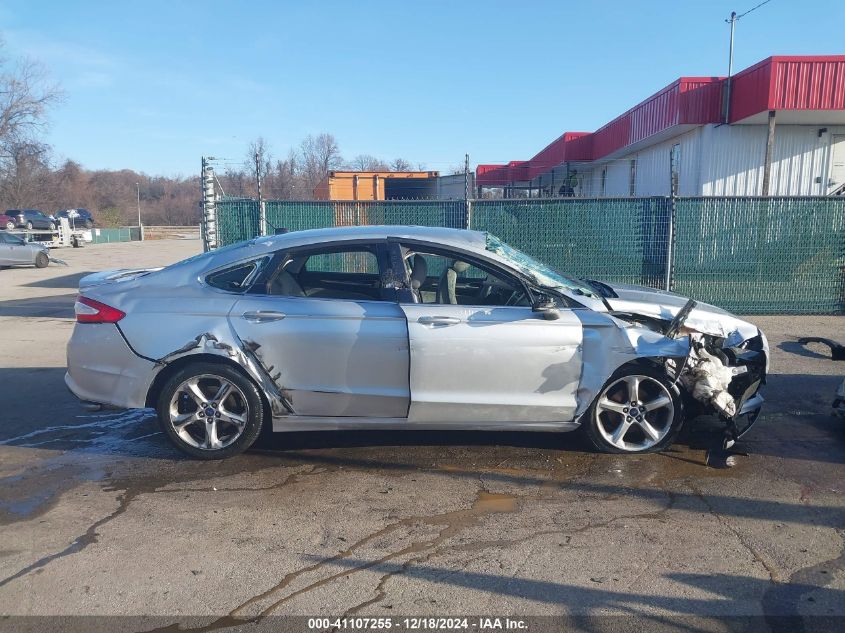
(451, 280)
(341, 272)
(236, 278)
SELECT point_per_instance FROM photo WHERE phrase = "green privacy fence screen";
(748, 255)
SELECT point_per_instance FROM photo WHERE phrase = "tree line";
(32, 178)
(295, 176)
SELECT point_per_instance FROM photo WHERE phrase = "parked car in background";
(32, 219)
(15, 251)
(401, 327)
(76, 217)
(7, 221)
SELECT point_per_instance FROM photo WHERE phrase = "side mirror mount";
(546, 307)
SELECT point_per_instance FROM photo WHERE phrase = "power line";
(754, 8)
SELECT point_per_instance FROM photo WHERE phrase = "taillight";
(90, 311)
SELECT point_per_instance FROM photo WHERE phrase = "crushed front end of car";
(727, 359)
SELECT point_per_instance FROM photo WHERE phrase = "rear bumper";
(103, 369)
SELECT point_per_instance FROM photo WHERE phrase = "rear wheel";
(210, 411)
(42, 259)
(10, 225)
(637, 411)
(29, 225)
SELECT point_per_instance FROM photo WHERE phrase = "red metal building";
(782, 134)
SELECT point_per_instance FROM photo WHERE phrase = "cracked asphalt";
(100, 516)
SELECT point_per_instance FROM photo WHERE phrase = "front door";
(322, 326)
(479, 354)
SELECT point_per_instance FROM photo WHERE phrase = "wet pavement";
(99, 515)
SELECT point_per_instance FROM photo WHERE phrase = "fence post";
(262, 213)
(209, 208)
(670, 245)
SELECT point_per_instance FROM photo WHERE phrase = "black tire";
(10, 226)
(75, 242)
(52, 226)
(41, 260)
(29, 226)
(667, 423)
(253, 414)
(89, 224)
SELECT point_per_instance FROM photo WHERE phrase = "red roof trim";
(780, 82)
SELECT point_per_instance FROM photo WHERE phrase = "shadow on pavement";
(65, 281)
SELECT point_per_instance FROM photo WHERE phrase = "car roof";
(458, 238)
(442, 235)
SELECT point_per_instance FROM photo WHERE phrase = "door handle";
(263, 316)
(438, 320)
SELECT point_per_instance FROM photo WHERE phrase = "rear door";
(488, 359)
(324, 325)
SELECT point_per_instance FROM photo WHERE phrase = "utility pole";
(732, 21)
(262, 215)
(140, 226)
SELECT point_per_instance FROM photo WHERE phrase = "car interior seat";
(419, 273)
(448, 281)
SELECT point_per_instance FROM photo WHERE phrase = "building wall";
(652, 177)
(733, 158)
(722, 160)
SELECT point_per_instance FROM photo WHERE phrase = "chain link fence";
(748, 255)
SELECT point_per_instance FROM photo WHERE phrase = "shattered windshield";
(538, 271)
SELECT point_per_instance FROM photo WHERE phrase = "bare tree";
(400, 164)
(366, 162)
(25, 98)
(320, 154)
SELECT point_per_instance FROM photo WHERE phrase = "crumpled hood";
(705, 318)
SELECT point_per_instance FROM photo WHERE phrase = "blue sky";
(154, 85)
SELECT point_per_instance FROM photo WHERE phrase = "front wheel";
(29, 226)
(637, 411)
(210, 411)
(10, 225)
(41, 260)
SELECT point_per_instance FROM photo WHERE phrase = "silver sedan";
(15, 251)
(391, 327)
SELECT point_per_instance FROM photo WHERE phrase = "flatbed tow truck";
(64, 235)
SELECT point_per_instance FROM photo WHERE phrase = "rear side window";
(238, 277)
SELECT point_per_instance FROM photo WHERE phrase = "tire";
(29, 226)
(52, 226)
(648, 431)
(89, 224)
(41, 260)
(179, 406)
(10, 226)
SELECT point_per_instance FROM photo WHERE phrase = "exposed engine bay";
(721, 372)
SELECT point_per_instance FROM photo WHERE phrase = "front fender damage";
(722, 368)
(245, 353)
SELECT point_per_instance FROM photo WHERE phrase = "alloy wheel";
(634, 413)
(208, 412)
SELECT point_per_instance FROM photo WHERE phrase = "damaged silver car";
(391, 327)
